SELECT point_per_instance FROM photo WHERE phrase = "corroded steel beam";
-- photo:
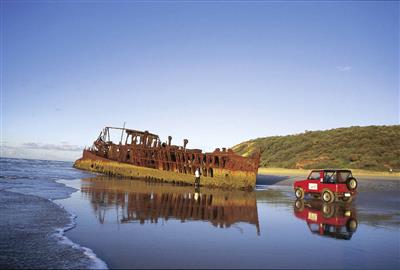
(144, 149)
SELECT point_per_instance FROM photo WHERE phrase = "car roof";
(331, 170)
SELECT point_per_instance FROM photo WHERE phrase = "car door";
(329, 180)
(313, 181)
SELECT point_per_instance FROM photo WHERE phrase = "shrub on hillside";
(372, 148)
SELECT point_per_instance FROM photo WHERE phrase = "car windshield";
(344, 176)
(314, 175)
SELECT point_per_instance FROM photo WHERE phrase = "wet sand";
(378, 200)
(305, 172)
(134, 224)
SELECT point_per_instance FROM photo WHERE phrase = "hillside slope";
(371, 148)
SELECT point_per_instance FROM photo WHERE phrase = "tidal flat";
(54, 216)
(134, 224)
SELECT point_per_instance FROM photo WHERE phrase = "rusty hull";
(143, 155)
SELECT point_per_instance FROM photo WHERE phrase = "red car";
(335, 220)
(330, 185)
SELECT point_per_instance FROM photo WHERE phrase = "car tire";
(299, 193)
(328, 210)
(299, 205)
(351, 225)
(351, 183)
(328, 196)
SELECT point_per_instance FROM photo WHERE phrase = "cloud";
(65, 151)
(343, 68)
(8, 150)
(64, 146)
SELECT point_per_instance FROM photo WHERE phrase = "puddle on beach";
(134, 224)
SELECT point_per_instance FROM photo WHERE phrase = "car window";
(330, 177)
(314, 176)
(344, 176)
(314, 227)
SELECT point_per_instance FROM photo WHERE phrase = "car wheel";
(328, 210)
(352, 225)
(351, 183)
(299, 205)
(299, 193)
(328, 196)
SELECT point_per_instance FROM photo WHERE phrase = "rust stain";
(144, 149)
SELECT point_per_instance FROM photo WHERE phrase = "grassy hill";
(372, 148)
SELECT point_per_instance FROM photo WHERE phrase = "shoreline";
(356, 173)
(31, 213)
(59, 234)
(42, 223)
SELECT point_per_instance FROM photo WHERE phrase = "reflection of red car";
(328, 184)
(331, 220)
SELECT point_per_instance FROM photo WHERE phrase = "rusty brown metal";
(142, 148)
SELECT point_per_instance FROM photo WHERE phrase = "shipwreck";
(142, 155)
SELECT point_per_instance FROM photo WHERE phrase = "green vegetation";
(370, 148)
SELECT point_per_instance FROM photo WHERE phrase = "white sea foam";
(45, 174)
(96, 262)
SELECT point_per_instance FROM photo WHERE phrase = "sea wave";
(13, 177)
(40, 179)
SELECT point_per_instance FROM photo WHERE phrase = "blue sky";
(217, 73)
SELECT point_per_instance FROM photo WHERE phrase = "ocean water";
(32, 226)
(54, 216)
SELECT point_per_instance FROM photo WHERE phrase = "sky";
(215, 72)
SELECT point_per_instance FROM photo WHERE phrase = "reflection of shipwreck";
(143, 155)
(336, 220)
(148, 203)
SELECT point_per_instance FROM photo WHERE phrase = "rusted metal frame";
(119, 153)
(186, 161)
(127, 130)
